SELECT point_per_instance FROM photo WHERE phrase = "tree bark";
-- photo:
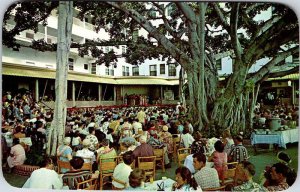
(65, 21)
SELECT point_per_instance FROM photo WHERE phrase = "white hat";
(165, 128)
(86, 143)
(67, 141)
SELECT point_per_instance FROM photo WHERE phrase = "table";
(153, 186)
(279, 138)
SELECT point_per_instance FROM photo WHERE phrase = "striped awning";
(39, 72)
(294, 76)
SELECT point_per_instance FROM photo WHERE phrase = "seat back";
(148, 164)
(229, 175)
(120, 160)
(87, 165)
(62, 164)
(159, 153)
(182, 154)
(88, 184)
(108, 164)
(120, 182)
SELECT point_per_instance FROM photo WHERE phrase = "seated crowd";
(97, 136)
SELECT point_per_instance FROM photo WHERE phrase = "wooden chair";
(120, 182)
(148, 164)
(221, 188)
(107, 166)
(62, 164)
(182, 154)
(88, 165)
(176, 144)
(159, 153)
(229, 175)
(120, 160)
(88, 184)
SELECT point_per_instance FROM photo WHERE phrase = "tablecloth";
(280, 137)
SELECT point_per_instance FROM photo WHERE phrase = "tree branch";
(221, 17)
(186, 10)
(233, 32)
(266, 69)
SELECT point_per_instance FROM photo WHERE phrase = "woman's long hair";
(187, 176)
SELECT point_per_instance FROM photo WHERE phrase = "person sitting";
(227, 140)
(85, 153)
(123, 170)
(206, 177)
(64, 152)
(279, 173)
(45, 177)
(18, 133)
(185, 181)
(244, 173)
(136, 180)
(238, 152)
(187, 139)
(76, 175)
(144, 149)
(93, 139)
(105, 151)
(17, 154)
(219, 157)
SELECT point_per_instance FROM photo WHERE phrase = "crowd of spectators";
(93, 134)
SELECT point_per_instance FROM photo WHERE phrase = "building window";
(153, 70)
(123, 49)
(71, 64)
(86, 66)
(112, 72)
(219, 64)
(107, 71)
(93, 71)
(49, 40)
(135, 71)
(125, 71)
(172, 69)
(29, 35)
(162, 69)
(106, 49)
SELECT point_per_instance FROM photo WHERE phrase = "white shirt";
(137, 126)
(122, 172)
(86, 153)
(187, 139)
(44, 178)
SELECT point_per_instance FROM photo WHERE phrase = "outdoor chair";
(62, 164)
(88, 184)
(88, 165)
(148, 164)
(176, 144)
(182, 154)
(159, 153)
(107, 166)
(120, 160)
(229, 175)
(120, 182)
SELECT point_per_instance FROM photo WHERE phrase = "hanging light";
(289, 83)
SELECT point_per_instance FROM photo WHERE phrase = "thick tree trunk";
(65, 21)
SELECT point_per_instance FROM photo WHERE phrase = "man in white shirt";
(136, 126)
(141, 115)
(44, 178)
(205, 176)
(123, 170)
